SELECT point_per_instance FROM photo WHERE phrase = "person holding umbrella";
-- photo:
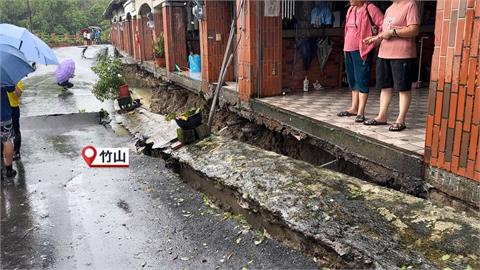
(33, 48)
(14, 100)
(10, 75)
(65, 71)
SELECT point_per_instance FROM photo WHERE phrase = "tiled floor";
(323, 105)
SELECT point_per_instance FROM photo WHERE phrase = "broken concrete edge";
(454, 185)
(405, 170)
(83, 118)
(403, 161)
(329, 214)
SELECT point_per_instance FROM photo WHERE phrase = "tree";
(47, 16)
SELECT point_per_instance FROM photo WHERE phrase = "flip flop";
(346, 113)
(397, 127)
(360, 119)
(373, 122)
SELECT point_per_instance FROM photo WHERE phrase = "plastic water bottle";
(305, 84)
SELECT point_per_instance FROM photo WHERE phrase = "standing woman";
(363, 20)
(396, 59)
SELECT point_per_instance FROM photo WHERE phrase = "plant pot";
(123, 91)
(192, 121)
(160, 62)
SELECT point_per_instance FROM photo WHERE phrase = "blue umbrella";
(13, 65)
(32, 47)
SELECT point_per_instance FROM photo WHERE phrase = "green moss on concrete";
(357, 219)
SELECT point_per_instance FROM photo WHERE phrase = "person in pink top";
(363, 20)
(396, 59)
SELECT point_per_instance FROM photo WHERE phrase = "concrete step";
(344, 221)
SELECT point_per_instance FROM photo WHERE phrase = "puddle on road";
(64, 144)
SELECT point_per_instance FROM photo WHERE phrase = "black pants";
(17, 142)
(66, 84)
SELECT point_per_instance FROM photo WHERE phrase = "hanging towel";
(321, 15)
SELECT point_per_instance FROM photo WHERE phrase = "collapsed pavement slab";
(343, 220)
(366, 225)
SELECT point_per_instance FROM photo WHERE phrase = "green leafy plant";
(182, 115)
(110, 72)
(159, 46)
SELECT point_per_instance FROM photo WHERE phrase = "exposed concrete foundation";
(346, 222)
(454, 185)
(302, 138)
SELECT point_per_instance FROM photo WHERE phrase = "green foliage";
(182, 115)
(110, 72)
(159, 46)
(54, 16)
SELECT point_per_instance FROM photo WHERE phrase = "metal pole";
(225, 64)
(221, 75)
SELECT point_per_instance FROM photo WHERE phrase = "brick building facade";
(452, 146)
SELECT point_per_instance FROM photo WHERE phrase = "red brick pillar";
(174, 31)
(113, 34)
(128, 37)
(452, 139)
(269, 65)
(137, 38)
(121, 36)
(147, 40)
(214, 32)
(158, 20)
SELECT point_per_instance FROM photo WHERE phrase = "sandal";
(373, 122)
(360, 119)
(397, 127)
(345, 113)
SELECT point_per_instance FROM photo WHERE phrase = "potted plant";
(159, 51)
(111, 82)
(188, 119)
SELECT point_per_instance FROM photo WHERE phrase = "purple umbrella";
(65, 71)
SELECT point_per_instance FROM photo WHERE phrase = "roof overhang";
(113, 5)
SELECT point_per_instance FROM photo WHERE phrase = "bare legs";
(386, 98)
(405, 100)
(8, 153)
(354, 107)
(362, 102)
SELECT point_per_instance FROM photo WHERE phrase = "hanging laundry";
(272, 8)
(324, 48)
(321, 15)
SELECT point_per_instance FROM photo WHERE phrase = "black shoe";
(10, 173)
(16, 156)
(360, 119)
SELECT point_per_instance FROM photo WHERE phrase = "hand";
(372, 39)
(387, 34)
(18, 93)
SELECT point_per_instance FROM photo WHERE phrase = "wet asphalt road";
(60, 214)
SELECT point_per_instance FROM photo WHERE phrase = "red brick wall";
(217, 22)
(271, 64)
(246, 51)
(158, 20)
(128, 37)
(270, 67)
(452, 139)
(147, 40)
(136, 38)
(174, 30)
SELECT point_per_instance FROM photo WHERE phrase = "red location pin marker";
(89, 153)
